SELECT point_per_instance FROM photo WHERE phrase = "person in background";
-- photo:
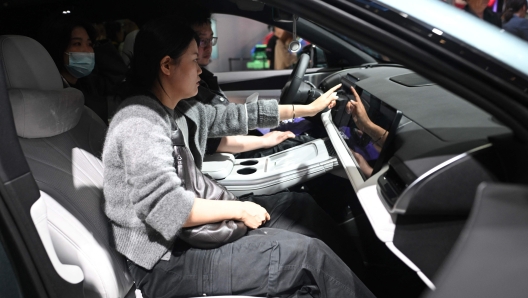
(270, 33)
(514, 18)
(100, 31)
(96, 70)
(270, 48)
(462, 3)
(129, 26)
(480, 9)
(283, 58)
(128, 47)
(459, 3)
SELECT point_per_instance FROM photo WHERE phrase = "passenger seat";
(128, 47)
(62, 141)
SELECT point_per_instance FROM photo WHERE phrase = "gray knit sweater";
(145, 202)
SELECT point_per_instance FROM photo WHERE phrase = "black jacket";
(489, 16)
(104, 81)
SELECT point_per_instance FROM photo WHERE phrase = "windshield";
(365, 49)
(379, 57)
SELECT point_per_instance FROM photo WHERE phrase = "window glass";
(244, 44)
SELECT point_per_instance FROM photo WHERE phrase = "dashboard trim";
(378, 216)
(349, 164)
(401, 204)
(369, 198)
(426, 280)
(411, 265)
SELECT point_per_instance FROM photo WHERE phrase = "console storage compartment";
(267, 175)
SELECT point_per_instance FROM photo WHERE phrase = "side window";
(244, 44)
(240, 44)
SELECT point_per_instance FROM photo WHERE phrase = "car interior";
(62, 144)
(432, 201)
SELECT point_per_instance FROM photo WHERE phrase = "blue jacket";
(517, 26)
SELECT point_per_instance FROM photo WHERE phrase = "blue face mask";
(81, 64)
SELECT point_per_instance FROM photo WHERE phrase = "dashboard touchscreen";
(370, 148)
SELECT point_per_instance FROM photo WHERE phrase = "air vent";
(412, 80)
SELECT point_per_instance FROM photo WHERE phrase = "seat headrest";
(128, 46)
(41, 106)
(43, 114)
(27, 64)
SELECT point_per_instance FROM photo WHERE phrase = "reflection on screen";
(379, 113)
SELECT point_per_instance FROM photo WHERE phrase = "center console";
(270, 174)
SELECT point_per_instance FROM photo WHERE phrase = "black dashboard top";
(440, 112)
(444, 115)
(437, 124)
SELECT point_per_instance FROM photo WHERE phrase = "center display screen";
(367, 139)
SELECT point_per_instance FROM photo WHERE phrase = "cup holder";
(249, 162)
(246, 171)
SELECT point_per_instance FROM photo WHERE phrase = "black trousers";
(300, 213)
(276, 260)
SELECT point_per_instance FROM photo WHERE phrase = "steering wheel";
(291, 89)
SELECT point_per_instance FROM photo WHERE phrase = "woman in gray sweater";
(148, 206)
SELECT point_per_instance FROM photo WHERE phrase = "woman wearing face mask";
(70, 42)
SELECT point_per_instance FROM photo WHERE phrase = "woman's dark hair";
(512, 6)
(55, 35)
(162, 37)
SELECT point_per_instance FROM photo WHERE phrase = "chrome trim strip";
(405, 124)
(411, 265)
(343, 152)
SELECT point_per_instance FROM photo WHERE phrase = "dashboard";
(425, 176)
(439, 148)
